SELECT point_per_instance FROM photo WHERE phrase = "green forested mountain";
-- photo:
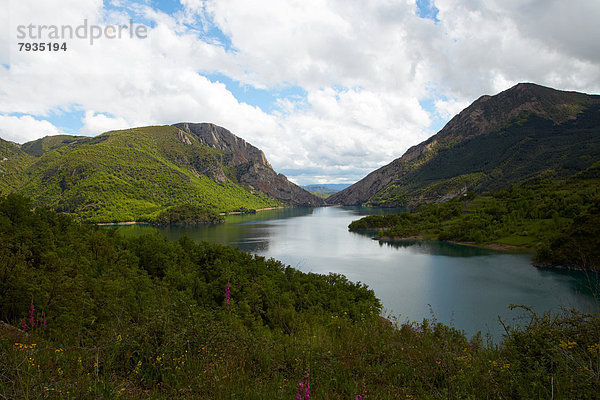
(143, 174)
(495, 142)
(558, 218)
(13, 161)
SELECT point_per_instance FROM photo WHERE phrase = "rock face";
(525, 129)
(361, 191)
(220, 138)
(250, 164)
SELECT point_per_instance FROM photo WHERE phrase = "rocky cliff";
(250, 165)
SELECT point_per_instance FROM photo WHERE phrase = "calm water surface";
(465, 287)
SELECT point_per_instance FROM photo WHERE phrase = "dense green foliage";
(13, 162)
(40, 146)
(94, 262)
(184, 214)
(559, 218)
(91, 315)
(131, 175)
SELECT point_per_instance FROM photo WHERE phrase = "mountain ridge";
(251, 165)
(524, 111)
(137, 174)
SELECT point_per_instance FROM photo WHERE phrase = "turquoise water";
(464, 287)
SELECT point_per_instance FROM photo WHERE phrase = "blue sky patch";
(427, 9)
(266, 100)
(437, 122)
(166, 6)
(67, 122)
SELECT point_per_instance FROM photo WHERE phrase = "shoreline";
(489, 246)
(121, 223)
(222, 214)
(251, 211)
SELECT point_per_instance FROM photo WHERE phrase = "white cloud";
(96, 123)
(355, 128)
(25, 128)
(446, 109)
(366, 68)
(495, 43)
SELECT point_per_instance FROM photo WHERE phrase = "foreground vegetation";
(90, 314)
(558, 218)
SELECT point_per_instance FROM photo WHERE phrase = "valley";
(248, 284)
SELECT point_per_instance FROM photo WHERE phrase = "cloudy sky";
(329, 89)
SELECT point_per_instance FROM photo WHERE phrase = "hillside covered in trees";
(556, 218)
(86, 313)
(157, 174)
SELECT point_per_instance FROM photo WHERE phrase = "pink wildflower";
(227, 294)
(34, 319)
(32, 315)
(304, 391)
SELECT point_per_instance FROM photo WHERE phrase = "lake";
(464, 287)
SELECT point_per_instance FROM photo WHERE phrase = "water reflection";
(440, 248)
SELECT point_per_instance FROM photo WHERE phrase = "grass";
(214, 357)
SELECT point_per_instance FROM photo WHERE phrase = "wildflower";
(32, 315)
(304, 391)
(34, 319)
(227, 294)
(594, 348)
(567, 345)
(304, 388)
(136, 370)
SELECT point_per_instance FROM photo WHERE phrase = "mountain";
(13, 162)
(138, 174)
(496, 141)
(249, 164)
(40, 146)
(326, 188)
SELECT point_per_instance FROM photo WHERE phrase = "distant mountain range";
(137, 174)
(496, 141)
(326, 188)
